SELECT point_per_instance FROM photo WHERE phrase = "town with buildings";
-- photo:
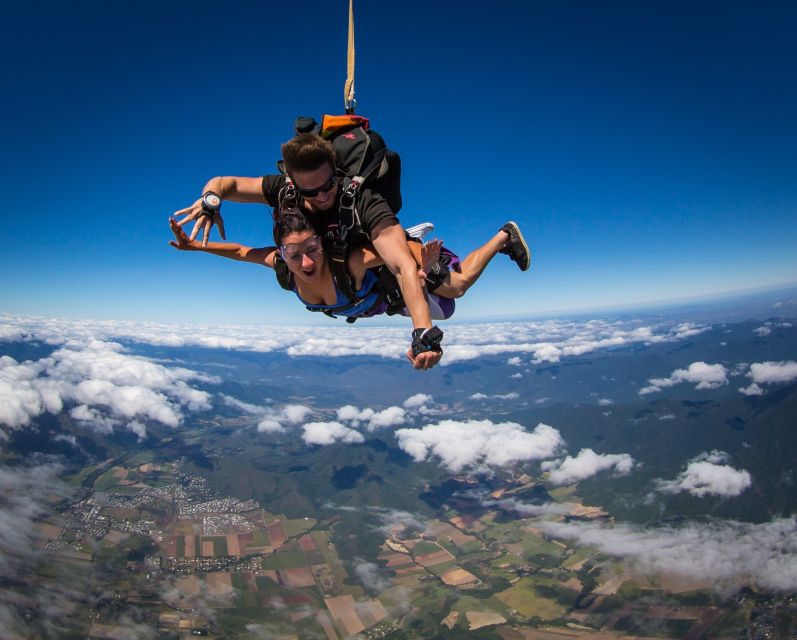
(214, 565)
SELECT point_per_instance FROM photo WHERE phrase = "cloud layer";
(545, 341)
(24, 496)
(107, 385)
(728, 554)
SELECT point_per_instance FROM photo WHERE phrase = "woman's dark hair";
(290, 221)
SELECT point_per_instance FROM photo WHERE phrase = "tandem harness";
(388, 299)
(335, 237)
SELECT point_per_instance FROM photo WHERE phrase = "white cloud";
(479, 442)
(706, 376)
(325, 433)
(516, 375)
(93, 419)
(715, 456)
(739, 369)
(246, 407)
(763, 331)
(138, 428)
(588, 463)
(391, 518)
(23, 395)
(390, 417)
(24, 496)
(515, 361)
(267, 425)
(527, 510)
(372, 420)
(605, 402)
(495, 396)
(271, 419)
(752, 390)
(421, 404)
(726, 553)
(350, 413)
(295, 413)
(769, 373)
(772, 372)
(708, 475)
(371, 576)
(108, 385)
(417, 401)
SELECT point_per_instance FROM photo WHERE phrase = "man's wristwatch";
(426, 340)
(211, 202)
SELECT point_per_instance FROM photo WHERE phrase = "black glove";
(426, 340)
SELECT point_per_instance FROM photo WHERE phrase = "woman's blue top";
(368, 295)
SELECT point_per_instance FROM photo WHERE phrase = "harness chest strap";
(335, 237)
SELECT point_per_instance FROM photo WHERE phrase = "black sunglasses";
(324, 188)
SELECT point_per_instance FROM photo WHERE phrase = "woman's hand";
(203, 218)
(181, 240)
(430, 254)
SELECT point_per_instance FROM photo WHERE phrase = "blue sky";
(647, 151)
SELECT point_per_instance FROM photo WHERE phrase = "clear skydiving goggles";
(292, 253)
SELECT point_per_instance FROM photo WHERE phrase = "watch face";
(212, 200)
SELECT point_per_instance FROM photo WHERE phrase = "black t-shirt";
(372, 210)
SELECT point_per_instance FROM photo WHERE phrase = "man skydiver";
(310, 162)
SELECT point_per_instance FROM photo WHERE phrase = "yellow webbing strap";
(348, 89)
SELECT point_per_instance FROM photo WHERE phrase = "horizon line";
(639, 307)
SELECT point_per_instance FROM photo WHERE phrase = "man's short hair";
(307, 152)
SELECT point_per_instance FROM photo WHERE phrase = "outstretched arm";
(227, 188)
(264, 256)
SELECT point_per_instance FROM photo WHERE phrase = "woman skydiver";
(311, 278)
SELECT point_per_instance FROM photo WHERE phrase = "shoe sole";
(523, 242)
(419, 230)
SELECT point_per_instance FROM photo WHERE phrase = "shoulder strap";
(288, 196)
(338, 264)
(337, 244)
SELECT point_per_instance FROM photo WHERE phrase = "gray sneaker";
(516, 247)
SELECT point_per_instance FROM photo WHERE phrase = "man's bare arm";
(391, 244)
(231, 188)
